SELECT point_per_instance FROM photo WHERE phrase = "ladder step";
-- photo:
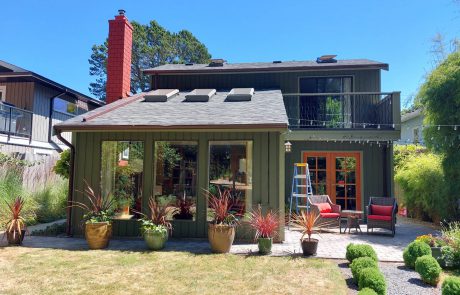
(300, 176)
(300, 195)
(302, 206)
(301, 185)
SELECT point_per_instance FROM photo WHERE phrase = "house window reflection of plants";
(176, 177)
(122, 175)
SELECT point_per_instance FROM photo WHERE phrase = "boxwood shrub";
(372, 278)
(428, 268)
(451, 286)
(367, 291)
(361, 263)
(413, 251)
(360, 250)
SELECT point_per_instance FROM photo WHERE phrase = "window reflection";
(176, 177)
(230, 167)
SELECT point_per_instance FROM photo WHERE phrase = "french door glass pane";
(351, 177)
(321, 162)
(311, 161)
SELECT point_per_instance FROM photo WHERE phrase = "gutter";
(50, 123)
(71, 181)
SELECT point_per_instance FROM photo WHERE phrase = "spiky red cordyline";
(265, 225)
(16, 224)
(221, 206)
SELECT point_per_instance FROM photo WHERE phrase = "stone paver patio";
(331, 245)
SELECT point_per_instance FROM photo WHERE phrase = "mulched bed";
(400, 280)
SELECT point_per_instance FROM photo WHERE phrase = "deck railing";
(15, 121)
(363, 110)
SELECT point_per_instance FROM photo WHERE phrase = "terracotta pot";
(265, 245)
(155, 240)
(309, 247)
(98, 235)
(125, 210)
(14, 238)
(221, 237)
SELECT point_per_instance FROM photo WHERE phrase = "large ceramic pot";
(98, 234)
(221, 237)
(437, 254)
(15, 238)
(155, 240)
(309, 246)
(265, 245)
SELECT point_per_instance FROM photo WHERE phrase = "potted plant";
(307, 222)
(436, 244)
(184, 206)
(155, 227)
(221, 229)
(98, 218)
(15, 227)
(266, 227)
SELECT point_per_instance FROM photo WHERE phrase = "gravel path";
(400, 280)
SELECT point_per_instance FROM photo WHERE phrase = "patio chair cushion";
(329, 215)
(381, 210)
(324, 207)
(379, 217)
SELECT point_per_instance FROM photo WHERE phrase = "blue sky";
(54, 39)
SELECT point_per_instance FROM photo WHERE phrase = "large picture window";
(122, 175)
(176, 172)
(230, 167)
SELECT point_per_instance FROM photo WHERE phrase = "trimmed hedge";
(360, 250)
(372, 278)
(361, 263)
(367, 291)
(451, 286)
(428, 268)
(413, 251)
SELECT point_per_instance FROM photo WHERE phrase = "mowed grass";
(49, 271)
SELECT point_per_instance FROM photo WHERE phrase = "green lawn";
(48, 271)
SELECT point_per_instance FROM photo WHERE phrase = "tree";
(153, 45)
(440, 98)
(62, 166)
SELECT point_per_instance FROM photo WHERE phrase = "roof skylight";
(240, 94)
(200, 95)
(160, 95)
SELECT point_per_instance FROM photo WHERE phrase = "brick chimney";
(119, 58)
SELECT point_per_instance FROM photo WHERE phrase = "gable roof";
(264, 110)
(10, 72)
(267, 67)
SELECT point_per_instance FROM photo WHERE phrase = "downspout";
(50, 123)
(71, 182)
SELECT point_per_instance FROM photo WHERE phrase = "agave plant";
(265, 225)
(17, 223)
(99, 209)
(221, 206)
(307, 222)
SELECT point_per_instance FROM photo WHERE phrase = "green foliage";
(62, 166)
(428, 269)
(367, 291)
(360, 250)
(451, 252)
(440, 98)
(413, 251)
(361, 263)
(153, 45)
(422, 180)
(401, 153)
(451, 286)
(373, 279)
(149, 225)
(51, 202)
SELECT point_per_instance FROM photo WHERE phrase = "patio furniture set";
(381, 213)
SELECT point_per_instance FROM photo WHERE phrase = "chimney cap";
(121, 12)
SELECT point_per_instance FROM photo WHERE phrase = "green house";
(205, 127)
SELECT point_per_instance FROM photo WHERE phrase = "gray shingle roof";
(265, 110)
(267, 66)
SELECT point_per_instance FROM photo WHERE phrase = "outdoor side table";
(353, 218)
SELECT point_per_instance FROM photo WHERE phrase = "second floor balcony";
(15, 121)
(353, 110)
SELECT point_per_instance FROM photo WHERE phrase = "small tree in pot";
(266, 227)
(15, 227)
(155, 227)
(98, 218)
(307, 222)
(221, 229)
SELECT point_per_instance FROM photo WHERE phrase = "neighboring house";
(411, 128)
(30, 105)
(218, 125)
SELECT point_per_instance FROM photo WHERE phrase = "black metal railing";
(15, 121)
(340, 110)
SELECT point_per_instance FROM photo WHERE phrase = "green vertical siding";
(266, 173)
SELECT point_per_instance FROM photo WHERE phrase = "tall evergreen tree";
(153, 45)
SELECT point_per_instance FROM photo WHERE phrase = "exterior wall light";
(288, 147)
